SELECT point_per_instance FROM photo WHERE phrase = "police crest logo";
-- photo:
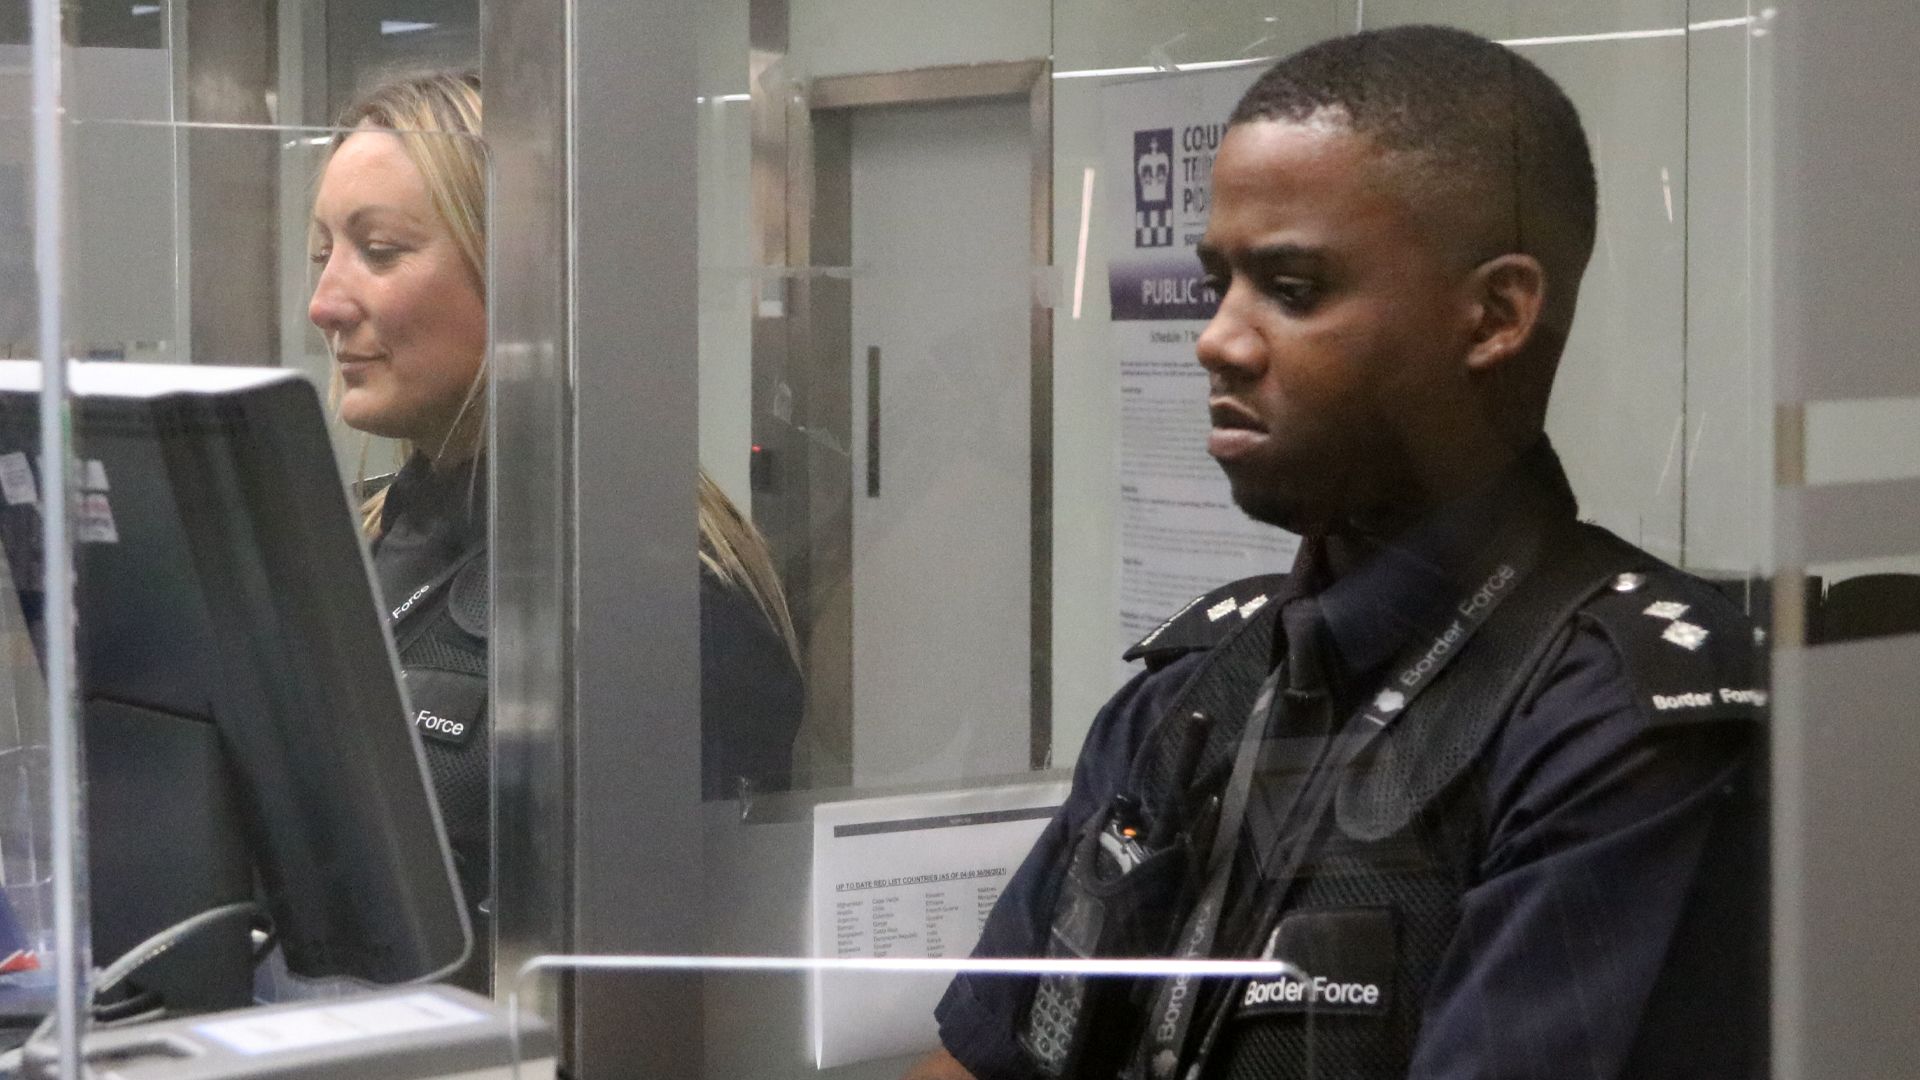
(1153, 188)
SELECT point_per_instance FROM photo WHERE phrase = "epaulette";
(467, 596)
(1207, 619)
(1691, 654)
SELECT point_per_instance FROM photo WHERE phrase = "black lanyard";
(1171, 1017)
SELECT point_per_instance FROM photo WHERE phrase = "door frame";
(803, 352)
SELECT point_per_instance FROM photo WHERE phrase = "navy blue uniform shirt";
(1616, 917)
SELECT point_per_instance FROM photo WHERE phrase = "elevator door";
(941, 211)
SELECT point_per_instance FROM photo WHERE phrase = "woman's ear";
(1510, 292)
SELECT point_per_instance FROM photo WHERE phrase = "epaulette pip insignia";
(1689, 651)
(1206, 620)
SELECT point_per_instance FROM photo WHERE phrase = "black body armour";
(439, 628)
(1376, 901)
(443, 660)
(443, 663)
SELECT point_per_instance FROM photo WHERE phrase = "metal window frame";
(803, 214)
(591, 124)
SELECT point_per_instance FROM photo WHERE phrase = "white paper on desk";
(908, 876)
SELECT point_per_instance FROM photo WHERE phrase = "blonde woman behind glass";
(398, 242)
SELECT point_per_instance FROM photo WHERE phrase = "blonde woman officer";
(398, 243)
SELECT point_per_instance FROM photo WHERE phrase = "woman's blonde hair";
(737, 553)
(424, 110)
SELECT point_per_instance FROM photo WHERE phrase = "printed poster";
(1180, 533)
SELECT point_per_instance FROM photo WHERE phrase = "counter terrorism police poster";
(1180, 534)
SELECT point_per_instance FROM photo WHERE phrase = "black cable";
(134, 1004)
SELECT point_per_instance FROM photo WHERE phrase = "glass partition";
(1657, 381)
(193, 236)
(953, 465)
(949, 310)
(42, 931)
(373, 277)
(1848, 554)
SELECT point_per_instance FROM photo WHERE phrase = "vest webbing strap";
(1443, 731)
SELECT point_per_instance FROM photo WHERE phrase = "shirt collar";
(452, 501)
(1408, 589)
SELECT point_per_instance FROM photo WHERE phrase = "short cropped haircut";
(1481, 126)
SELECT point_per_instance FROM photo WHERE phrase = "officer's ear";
(1508, 293)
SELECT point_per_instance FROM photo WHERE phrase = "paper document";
(908, 876)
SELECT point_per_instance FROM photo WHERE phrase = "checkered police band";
(1153, 188)
(1152, 228)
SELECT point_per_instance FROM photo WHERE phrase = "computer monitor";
(245, 726)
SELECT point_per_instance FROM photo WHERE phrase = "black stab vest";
(1406, 832)
(443, 660)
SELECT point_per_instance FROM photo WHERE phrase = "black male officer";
(1486, 779)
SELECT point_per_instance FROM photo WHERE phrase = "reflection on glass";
(1528, 782)
(398, 242)
(750, 691)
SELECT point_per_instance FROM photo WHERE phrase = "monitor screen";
(245, 724)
